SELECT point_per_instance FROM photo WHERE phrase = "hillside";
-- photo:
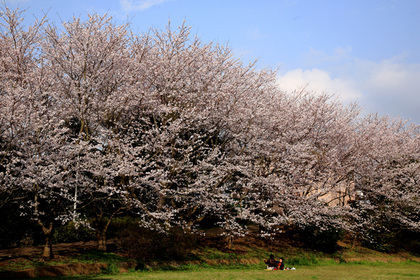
(82, 257)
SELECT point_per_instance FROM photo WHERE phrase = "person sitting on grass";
(271, 262)
(280, 265)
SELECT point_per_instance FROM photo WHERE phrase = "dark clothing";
(281, 265)
(271, 263)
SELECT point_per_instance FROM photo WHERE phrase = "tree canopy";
(96, 121)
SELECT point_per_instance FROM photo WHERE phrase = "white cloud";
(319, 81)
(391, 77)
(389, 87)
(136, 5)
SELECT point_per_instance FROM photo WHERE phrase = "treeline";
(98, 122)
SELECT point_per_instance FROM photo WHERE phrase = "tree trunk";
(101, 228)
(47, 230)
(101, 237)
(48, 252)
(229, 242)
(270, 244)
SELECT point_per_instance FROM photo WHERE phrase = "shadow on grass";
(78, 277)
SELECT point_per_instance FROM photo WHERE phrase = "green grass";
(246, 262)
(214, 254)
(403, 270)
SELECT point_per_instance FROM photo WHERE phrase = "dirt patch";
(26, 262)
(56, 271)
(58, 249)
(250, 261)
(71, 269)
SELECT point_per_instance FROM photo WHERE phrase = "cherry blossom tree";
(93, 82)
(17, 62)
(191, 118)
(28, 147)
(97, 121)
(388, 176)
(307, 153)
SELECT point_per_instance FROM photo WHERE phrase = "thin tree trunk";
(101, 238)
(101, 229)
(47, 252)
(229, 242)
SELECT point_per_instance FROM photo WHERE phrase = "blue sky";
(366, 51)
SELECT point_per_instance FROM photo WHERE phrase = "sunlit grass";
(404, 270)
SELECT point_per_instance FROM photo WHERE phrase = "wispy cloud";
(139, 5)
(254, 33)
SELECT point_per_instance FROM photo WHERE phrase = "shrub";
(145, 244)
(409, 241)
(382, 234)
(15, 229)
(111, 269)
(322, 239)
(69, 233)
(391, 240)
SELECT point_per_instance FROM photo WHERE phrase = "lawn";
(405, 270)
(209, 263)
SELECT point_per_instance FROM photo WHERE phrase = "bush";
(324, 240)
(409, 241)
(383, 234)
(111, 269)
(145, 244)
(391, 240)
(69, 233)
(15, 229)
(380, 240)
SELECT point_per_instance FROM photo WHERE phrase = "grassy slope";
(297, 255)
(246, 253)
